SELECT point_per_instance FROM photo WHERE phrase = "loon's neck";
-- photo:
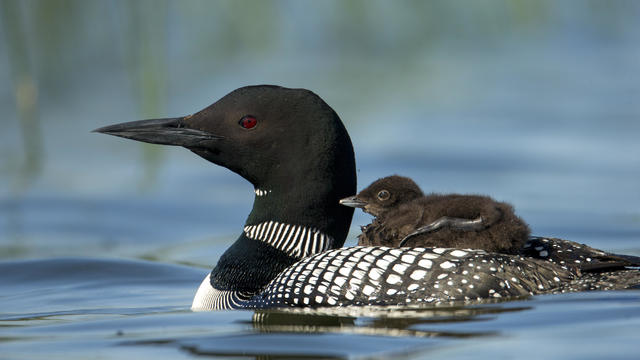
(262, 252)
(248, 265)
(277, 234)
(301, 202)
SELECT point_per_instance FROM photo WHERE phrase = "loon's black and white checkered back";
(388, 276)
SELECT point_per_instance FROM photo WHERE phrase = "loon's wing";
(604, 280)
(457, 224)
(579, 257)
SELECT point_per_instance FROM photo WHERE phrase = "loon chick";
(296, 152)
(404, 216)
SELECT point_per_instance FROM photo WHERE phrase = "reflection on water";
(383, 321)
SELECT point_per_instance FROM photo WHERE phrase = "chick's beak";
(353, 201)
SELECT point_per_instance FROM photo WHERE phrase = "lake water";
(104, 241)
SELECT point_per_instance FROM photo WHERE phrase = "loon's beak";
(353, 201)
(170, 131)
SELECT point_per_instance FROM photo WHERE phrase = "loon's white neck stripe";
(276, 234)
(285, 233)
(282, 229)
(261, 192)
(288, 246)
(271, 233)
(262, 228)
(294, 240)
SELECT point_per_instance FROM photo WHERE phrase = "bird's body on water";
(296, 152)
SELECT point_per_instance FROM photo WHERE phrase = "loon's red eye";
(248, 122)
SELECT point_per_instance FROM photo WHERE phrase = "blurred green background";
(533, 102)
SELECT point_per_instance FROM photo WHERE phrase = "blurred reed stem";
(25, 89)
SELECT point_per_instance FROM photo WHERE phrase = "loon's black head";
(288, 143)
(384, 194)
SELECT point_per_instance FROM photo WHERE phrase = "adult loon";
(296, 152)
(405, 216)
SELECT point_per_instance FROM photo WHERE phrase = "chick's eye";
(248, 122)
(383, 195)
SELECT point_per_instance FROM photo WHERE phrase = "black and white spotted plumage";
(365, 275)
(579, 258)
